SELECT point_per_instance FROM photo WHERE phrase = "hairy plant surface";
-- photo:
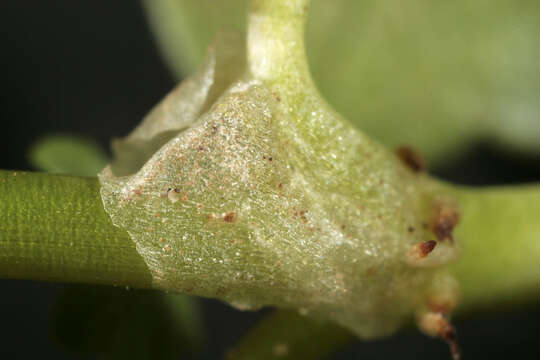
(251, 189)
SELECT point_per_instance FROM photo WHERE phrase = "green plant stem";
(54, 228)
(499, 233)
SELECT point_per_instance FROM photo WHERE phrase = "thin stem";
(500, 237)
(54, 228)
(276, 40)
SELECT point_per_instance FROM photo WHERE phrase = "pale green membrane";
(257, 203)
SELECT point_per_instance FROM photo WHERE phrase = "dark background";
(91, 68)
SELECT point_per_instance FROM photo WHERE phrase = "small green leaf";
(64, 154)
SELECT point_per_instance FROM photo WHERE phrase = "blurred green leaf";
(436, 75)
(114, 323)
(64, 154)
(184, 29)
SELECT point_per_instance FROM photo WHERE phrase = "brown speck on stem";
(419, 251)
(411, 158)
(173, 194)
(303, 217)
(426, 247)
(230, 217)
(444, 221)
(436, 324)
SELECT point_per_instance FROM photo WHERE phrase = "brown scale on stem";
(444, 221)
(230, 217)
(420, 250)
(436, 324)
(411, 158)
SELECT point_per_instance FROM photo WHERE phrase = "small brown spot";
(280, 186)
(343, 227)
(445, 220)
(435, 324)
(264, 157)
(426, 247)
(419, 251)
(411, 158)
(230, 217)
(201, 148)
(410, 229)
(173, 194)
(303, 216)
(270, 159)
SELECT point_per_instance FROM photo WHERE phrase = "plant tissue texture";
(250, 189)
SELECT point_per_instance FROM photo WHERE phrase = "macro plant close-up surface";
(294, 168)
